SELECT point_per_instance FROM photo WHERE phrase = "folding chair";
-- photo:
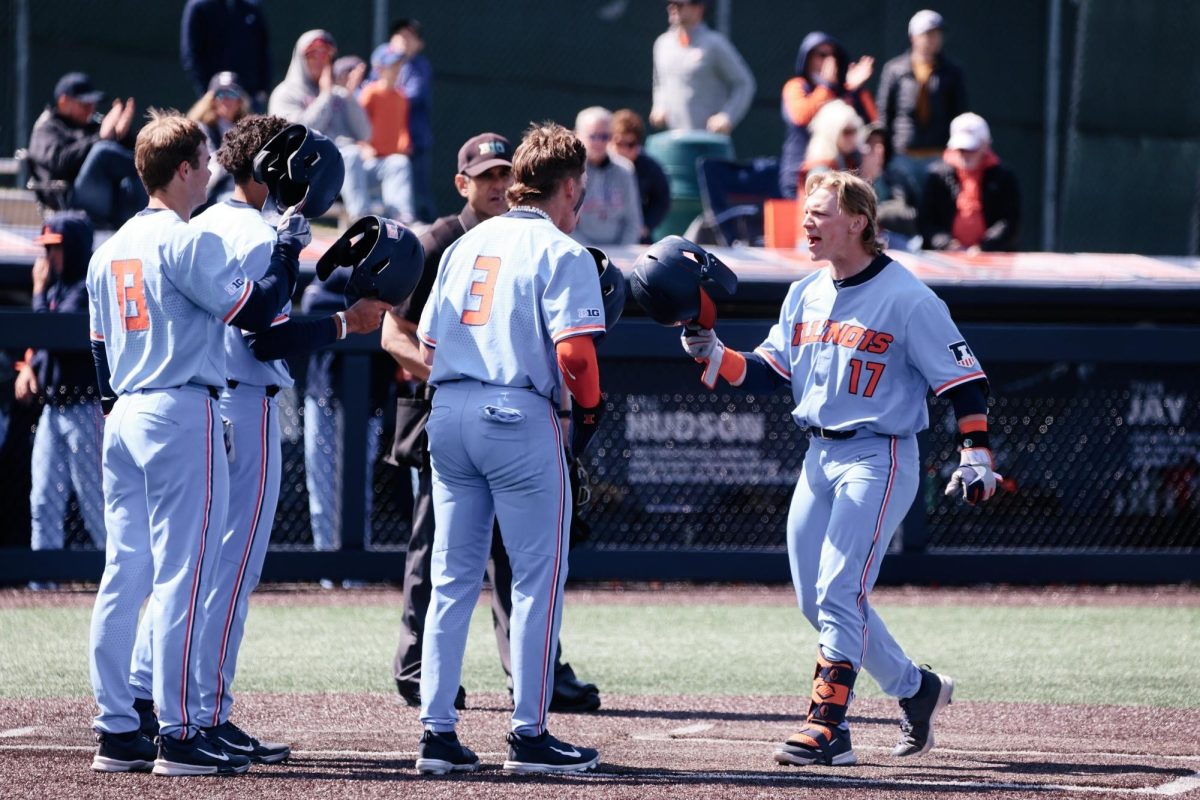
(732, 194)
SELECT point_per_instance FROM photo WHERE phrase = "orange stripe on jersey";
(773, 364)
(426, 339)
(241, 302)
(950, 384)
(973, 423)
(579, 330)
(97, 336)
(282, 318)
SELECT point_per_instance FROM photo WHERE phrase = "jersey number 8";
(127, 274)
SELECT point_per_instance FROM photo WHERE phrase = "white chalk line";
(16, 733)
(1181, 785)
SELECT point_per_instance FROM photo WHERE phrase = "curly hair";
(243, 141)
(548, 154)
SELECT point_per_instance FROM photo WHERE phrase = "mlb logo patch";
(962, 354)
(392, 231)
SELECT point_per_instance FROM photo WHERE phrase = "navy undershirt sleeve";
(760, 378)
(273, 290)
(969, 398)
(103, 379)
(292, 338)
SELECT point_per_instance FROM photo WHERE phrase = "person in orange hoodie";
(971, 201)
(386, 163)
(823, 73)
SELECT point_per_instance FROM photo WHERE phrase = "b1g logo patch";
(962, 354)
(235, 286)
(589, 313)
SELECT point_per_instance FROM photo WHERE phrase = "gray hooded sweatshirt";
(298, 98)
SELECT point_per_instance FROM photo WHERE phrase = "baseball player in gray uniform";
(509, 319)
(860, 343)
(160, 295)
(255, 372)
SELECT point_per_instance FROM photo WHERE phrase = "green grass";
(1064, 654)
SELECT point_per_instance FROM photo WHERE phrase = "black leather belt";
(269, 391)
(825, 433)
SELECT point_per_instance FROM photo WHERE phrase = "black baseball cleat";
(147, 721)
(196, 756)
(544, 753)
(124, 752)
(442, 753)
(235, 741)
(817, 744)
(571, 695)
(919, 711)
(411, 692)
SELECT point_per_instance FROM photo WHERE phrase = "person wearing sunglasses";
(612, 210)
(216, 112)
(823, 74)
(628, 137)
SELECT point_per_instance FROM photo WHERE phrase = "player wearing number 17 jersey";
(861, 344)
(160, 296)
(510, 316)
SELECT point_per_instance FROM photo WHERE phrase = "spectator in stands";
(384, 166)
(226, 36)
(833, 142)
(628, 137)
(90, 154)
(67, 443)
(894, 189)
(612, 209)
(416, 81)
(823, 73)
(701, 81)
(920, 91)
(314, 94)
(971, 201)
(217, 111)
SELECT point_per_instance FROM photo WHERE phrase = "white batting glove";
(975, 476)
(703, 345)
(294, 225)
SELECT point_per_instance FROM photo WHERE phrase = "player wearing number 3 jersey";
(860, 343)
(160, 295)
(510, 316)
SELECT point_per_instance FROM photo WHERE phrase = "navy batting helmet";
(299, 164)
(670, 280)
(612, 288)
(385, 257)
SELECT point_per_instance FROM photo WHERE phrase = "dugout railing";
(1096, 426)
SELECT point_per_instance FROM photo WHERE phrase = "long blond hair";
(826, 129)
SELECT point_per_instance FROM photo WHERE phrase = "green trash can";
(678, 152)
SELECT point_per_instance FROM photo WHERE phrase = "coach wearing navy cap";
(92, 156)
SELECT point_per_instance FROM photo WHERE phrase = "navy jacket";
(218, 35)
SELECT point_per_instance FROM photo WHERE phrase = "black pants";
(406, 667)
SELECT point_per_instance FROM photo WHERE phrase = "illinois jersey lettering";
(868, 353)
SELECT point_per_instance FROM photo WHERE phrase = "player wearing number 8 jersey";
(860, 343)
(510, 316)
(160, 296)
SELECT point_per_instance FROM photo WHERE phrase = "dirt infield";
(364, 745)
(360, 746)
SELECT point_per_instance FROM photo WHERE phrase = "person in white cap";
(920, 91)
(971, 201)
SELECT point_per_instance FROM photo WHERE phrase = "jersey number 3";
(490, 266)
(130, 294)
(856, 368)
